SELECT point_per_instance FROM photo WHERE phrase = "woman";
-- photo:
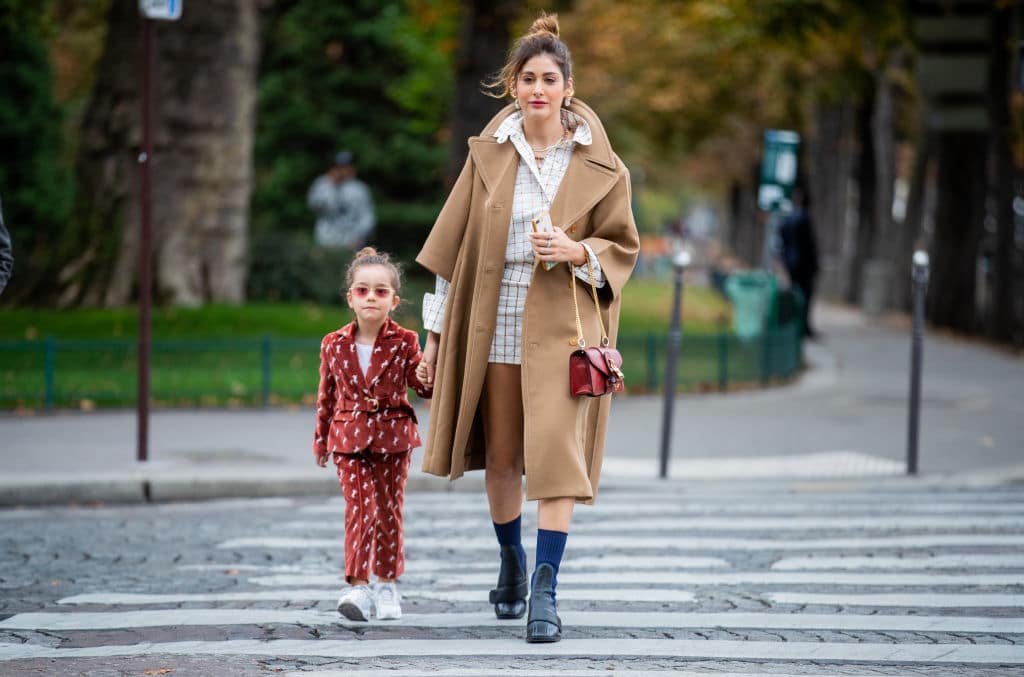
(500, 324)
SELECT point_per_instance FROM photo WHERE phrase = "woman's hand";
(556, 246)
(321, 458)
(425, 369)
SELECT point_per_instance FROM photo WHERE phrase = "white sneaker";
(356, 604)
(389, 602)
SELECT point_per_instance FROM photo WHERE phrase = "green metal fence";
(52, 373)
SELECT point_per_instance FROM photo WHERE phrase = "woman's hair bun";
(366, 251)
(545, 23)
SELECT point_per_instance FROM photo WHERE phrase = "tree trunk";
(883, 128)
(483, 43)
(867, 182)
(745, 232)
(1003, 325)
(204, 86)
(959, 217)
(830, 160)
(910, 235)
(884, 150)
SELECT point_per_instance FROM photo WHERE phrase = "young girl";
(364, 419)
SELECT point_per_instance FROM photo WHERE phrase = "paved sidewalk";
(845, 418)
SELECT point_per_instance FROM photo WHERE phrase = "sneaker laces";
(386, 593)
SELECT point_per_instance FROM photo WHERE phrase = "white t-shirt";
(365, 353)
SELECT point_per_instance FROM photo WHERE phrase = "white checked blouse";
(535, 190)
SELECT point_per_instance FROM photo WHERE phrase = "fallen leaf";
(158, 671)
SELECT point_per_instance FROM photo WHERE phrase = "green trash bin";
(752, 294)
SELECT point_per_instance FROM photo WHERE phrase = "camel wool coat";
(564, 436)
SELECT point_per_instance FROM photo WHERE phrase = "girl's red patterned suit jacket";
(356, 412)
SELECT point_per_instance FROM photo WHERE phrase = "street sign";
(164, 10)
(778, 168)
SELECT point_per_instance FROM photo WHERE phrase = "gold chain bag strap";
(593, 370)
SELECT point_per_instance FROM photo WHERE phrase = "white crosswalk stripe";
(965, 561)
(920, 579)
(484, 580)
(744, 523)
(463, 672)
(957, 600)
(675, 542)
(477, 510)
(420, 566)
(995, 654)
(469, 672)
(85, 620)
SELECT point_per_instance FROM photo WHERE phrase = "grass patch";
(647, 307)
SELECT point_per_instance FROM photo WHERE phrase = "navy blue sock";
(550, 548)
(510, 533)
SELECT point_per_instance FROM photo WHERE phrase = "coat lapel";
(354, 380)
(494, 161)
(586, 181)
(385, 350)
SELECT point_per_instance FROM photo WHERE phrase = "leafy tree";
(35, 184)
(371, 76)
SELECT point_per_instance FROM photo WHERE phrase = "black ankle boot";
(543, 623)
(509, 598)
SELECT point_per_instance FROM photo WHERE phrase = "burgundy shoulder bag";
(593, 370)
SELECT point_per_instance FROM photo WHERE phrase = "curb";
(38, 490)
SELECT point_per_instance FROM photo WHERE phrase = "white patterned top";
(534, 192)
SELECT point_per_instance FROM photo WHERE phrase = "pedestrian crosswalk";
(873, 581)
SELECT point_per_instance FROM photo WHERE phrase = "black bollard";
(675, 339)
(920, 277)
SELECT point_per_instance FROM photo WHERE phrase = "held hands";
(424, 373)
(556, 246)
(425, 369)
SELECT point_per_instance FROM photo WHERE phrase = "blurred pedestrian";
(800, 253)
(364, 420)
(6, 257)
(499, 322)
(343, 206)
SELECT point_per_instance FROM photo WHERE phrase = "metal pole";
(265, 349)
(675, 338)
(920, 277)
(49, 365)
(146, 240)
(723, 361)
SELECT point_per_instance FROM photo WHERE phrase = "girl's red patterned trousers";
(374, 488)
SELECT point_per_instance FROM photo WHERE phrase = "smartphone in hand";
(542, 224)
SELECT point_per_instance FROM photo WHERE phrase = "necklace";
(541, 153)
